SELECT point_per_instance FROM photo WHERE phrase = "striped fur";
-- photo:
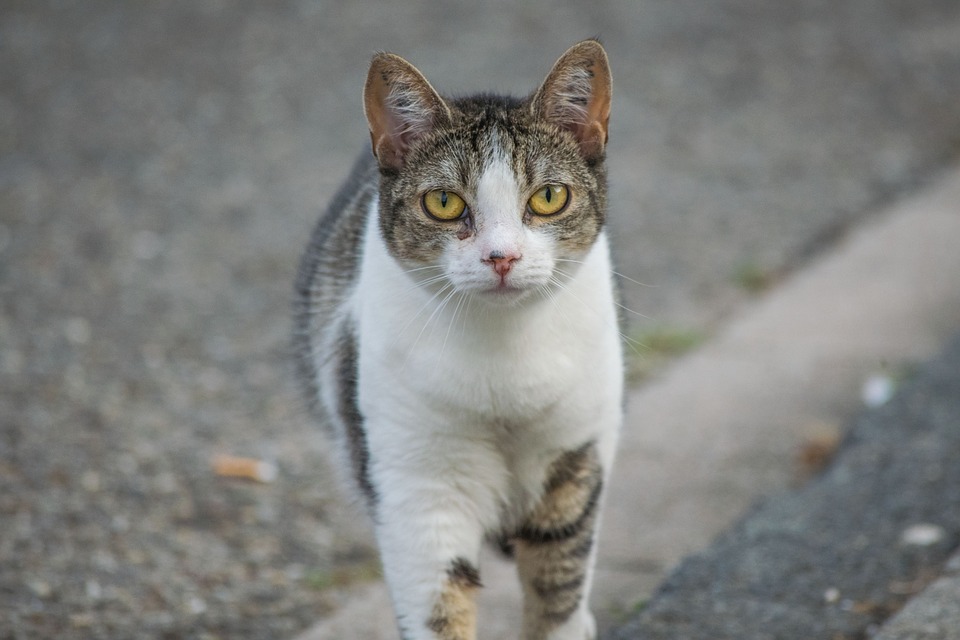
(469, 371)
(554, 546)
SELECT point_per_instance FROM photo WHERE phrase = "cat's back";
(330, 264)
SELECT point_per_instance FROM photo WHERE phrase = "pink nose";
(501, 262)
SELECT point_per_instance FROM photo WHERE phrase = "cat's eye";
(444, 205)
(549, 199)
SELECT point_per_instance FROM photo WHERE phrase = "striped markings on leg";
(455, 612)
(554, 544)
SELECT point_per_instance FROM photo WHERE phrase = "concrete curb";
(837, 557)
(933, 615)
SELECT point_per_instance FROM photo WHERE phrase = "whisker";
(453, 319)
(425, 305)
(629, 310)
(466, 314)
(632, 343)
(433, 315)
(429, 266)
(636, 282)
(417, 285)
(616, 302)
(616, 273)
(551, 296)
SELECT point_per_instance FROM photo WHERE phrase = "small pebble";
(953, 565)
(878, 390)
(93, 590)
(40, 588)
(922, 535)
(82, 620)
(196, 605)
(831, 595)
(90, 480)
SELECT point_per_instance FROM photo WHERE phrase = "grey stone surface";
(933, 615)
(836, 558)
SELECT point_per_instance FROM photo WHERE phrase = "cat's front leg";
(555, 551)
(430, 541)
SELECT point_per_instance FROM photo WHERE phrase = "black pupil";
(443, 199)
(548, 194)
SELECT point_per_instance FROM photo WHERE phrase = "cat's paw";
(590, 625)
(580, 626)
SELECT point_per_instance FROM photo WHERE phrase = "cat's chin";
(504, 296)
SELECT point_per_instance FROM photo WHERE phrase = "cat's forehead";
(476, 142)
(490, 133)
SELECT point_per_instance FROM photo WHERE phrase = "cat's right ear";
(576, 96)
(401, 106)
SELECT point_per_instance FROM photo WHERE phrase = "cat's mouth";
(504, 293)
(504, 289)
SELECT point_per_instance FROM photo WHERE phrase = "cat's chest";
(473, 366)
(510, 372)
(422, 358)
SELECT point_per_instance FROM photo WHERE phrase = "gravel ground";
(160, 166)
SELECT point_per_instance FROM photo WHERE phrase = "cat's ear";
(576, 96)
(401, 106)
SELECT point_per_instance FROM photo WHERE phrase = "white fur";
(411, 115)
(467, 402)
(571, 99)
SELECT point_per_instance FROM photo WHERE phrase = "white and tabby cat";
(457, 333)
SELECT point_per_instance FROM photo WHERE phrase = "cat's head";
(498, 197)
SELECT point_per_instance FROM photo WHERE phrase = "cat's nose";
(501, 261)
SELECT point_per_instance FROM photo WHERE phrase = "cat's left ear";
(401, 107)
(576, 96)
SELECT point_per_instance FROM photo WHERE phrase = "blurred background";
(162, 163)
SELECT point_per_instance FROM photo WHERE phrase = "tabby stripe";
(583, 548)
(454, 614)
(462, 572)
(546, 589)
(536, 535)
(350, 413)
(568, 466)
(562, 615)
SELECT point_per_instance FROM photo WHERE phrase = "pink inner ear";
(400, 105)
(576, 96)
(584, 113)
(408, 117)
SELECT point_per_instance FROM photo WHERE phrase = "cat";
(457, 334)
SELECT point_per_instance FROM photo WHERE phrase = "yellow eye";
(550, 199)
(443, 205)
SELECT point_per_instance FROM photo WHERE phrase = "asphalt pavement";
(161, 165)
